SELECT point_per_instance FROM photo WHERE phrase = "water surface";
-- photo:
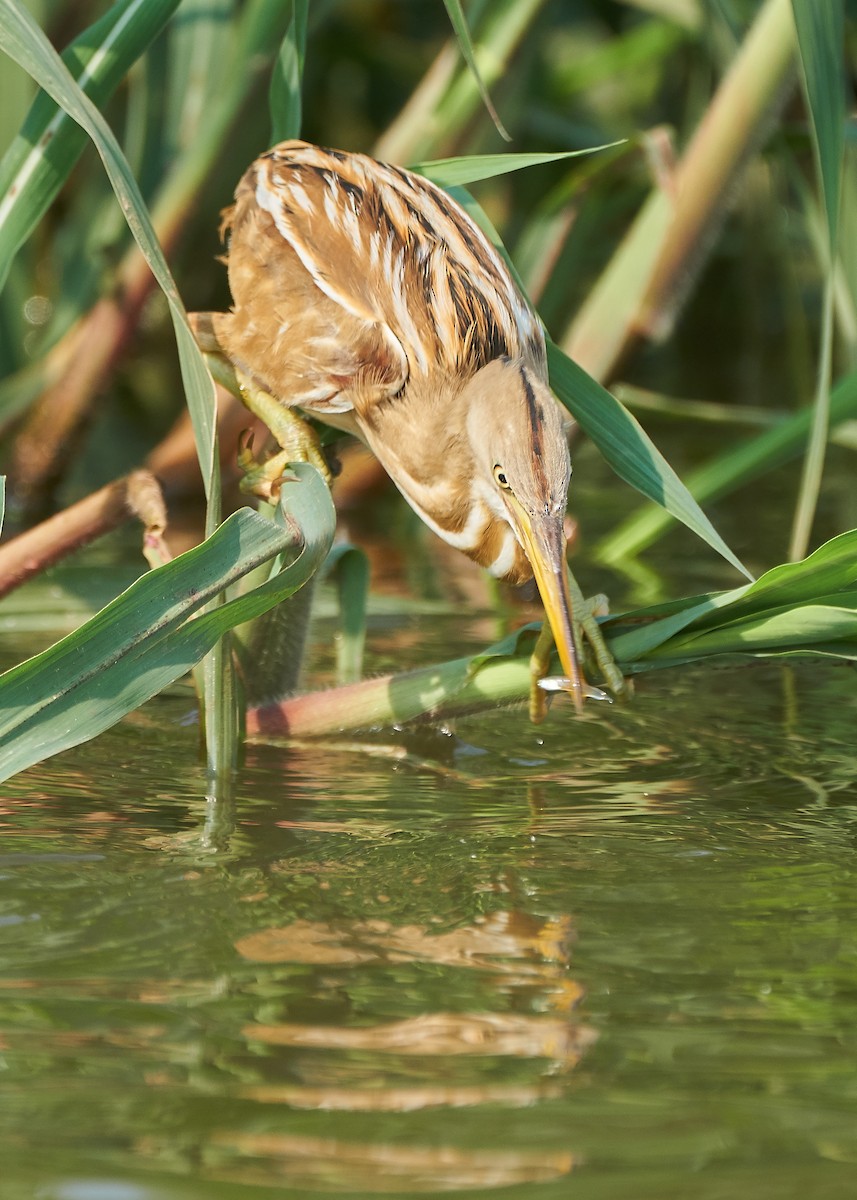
(605, 958)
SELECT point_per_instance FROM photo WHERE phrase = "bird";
(365, 296)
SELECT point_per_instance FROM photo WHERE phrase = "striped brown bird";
(366, 297)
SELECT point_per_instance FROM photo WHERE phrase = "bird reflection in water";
(426, 1066)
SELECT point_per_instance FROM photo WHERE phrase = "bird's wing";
(304, 342)
(352, 278)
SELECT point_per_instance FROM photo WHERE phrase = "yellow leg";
(591, 631)
(540, 661)
(297, 440)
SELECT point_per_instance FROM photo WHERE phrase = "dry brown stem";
(75, 369)
(137, 494)
(639, 293)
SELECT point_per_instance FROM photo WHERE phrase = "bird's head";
(522, 472)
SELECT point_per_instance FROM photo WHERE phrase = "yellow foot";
(587, 637)
(262, 479)
(298, 441)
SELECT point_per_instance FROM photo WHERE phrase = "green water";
(609, 958)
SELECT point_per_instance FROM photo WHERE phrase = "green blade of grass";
(820, 35)
(349, 567)
(628, 449)
(728, 471)
(813, 464)
(151, 634)
(458, 172)
(39, 159)
(284, 97)
(462, 33)
(201, 41)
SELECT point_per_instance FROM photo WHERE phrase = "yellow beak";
(544, 542)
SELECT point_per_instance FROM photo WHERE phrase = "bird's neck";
(421, 441)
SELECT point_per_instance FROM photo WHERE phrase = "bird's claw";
(297, 440)
(262, 479)
(246, 459)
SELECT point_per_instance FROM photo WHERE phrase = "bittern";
(363, 295)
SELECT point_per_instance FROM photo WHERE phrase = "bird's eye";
(500, 478)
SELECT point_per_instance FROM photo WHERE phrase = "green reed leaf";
(820, 37)
(763, 615)
(629, 450)
(284, 97)
(465, 42)
(458, 172)
(40, 158)
(202, 42)
(155, 631)
(820, 33)
(349, 567)
(797, 629)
